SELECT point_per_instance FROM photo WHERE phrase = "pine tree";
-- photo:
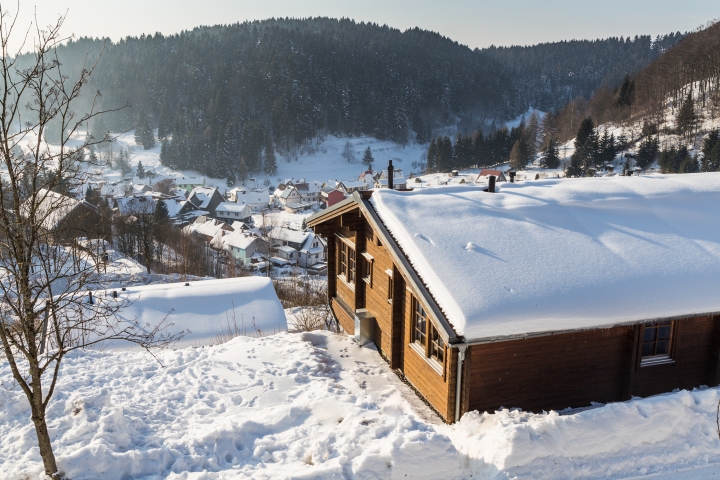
(686, 118)
(711, 152)
(161, 211)
(550, 157)
(517, 160)
(647, 153)
(140, 170)
(270, 164)
(242, 170)
(586, 149)
(348, 153)
(367, 157)
(432, 154)
(627, 92)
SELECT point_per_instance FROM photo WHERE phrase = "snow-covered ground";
(316, 405)
(321, 162)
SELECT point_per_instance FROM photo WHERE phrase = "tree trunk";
(46, 451)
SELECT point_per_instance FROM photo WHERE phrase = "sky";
(477, 23)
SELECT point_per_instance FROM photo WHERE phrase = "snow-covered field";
(316, 405)
(319, 162)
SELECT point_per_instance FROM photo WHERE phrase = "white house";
(256, 199)
(188, 183)
(230, 212)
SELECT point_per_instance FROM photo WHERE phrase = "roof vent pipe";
(390, 174)
(90, 299)
(512, 177)
(491, 184)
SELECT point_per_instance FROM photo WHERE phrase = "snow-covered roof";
(554, 255)
(238, 240)
(52, 208)
(253, 197)
(286, 249)
(354, 184)
(231, 207)
(206, 307)
(203, 195)
(140, 203)
(210, 227)
(293, 236)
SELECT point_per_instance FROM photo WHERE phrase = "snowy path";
(316, 405)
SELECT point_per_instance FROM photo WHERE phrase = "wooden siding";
(575, 369)
(433, 385)
(550, 372)
(376, 295)
(344, 318)
(692, 355)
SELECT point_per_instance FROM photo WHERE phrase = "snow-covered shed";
(207, 308)
(549, 294)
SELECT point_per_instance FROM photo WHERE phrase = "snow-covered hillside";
(319, 162)
(316, 405)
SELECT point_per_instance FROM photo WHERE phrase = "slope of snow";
(207, 308)
(319, 162)
(551, 255)
(317, 406)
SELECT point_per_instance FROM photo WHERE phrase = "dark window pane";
(662, 348)
(650, 333)
(664, 333)
(648, 349)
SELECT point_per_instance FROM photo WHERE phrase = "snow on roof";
(206, 307)
(203, 194)
(286, 249)
(238, 240)
(253, 196)
(234, 208)
(562, 254)
(354, 184)
(210, 228)
(288, 235)
(140, 203)
(52, 208)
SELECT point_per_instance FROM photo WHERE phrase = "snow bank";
(207, 308)
(317, 406)
(563, 254)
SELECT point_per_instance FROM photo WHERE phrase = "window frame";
(390, 286)
(367, 268)
(657, 358)
(346, 261)
(434, 348)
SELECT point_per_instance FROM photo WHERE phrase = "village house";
(256, 199)
(205, 199)
(399, 182)
(63, 219)
(230, 212)
(348, 187)
(189, 183)
(543, 295)
(486, 173)
(329, 196)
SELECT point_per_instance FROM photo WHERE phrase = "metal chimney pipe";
(512, 177)
(491, 184)
(390, 174)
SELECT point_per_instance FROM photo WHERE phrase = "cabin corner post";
(714, 367)
(631, 360)
(461, 348)
(331, 268)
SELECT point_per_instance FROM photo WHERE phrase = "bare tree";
(46, 310)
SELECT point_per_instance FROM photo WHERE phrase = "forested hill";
(225, 93)
(548, 75)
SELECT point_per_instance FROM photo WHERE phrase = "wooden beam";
(632, 345)
(714, 370)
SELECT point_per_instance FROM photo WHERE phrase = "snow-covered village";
(291, 246)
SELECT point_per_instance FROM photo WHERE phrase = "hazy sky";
(476, 23)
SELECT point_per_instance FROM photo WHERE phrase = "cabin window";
(342, 261)
(657, 340)
(351, 265)
(437, 345)
(367, 268)
(389, 286)
(419, 325)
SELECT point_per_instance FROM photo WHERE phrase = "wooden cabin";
(544, 295)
